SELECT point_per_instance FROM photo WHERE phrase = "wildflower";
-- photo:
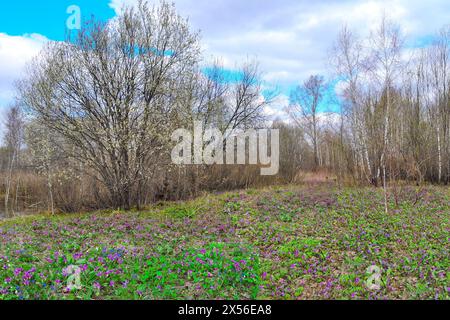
(77, 256)
(18, 271)
(97, 286)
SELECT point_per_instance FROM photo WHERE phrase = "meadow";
(290, 242)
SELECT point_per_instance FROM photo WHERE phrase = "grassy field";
(279, 243)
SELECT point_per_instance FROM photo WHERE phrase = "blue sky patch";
(225, 75)
(421, 42)
(48, 17)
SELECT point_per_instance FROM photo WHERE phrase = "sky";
(291, 39)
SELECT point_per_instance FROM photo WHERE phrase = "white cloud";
(329, 119)
(15, 53)
(276, 111)
(117, 5)
(340, 87)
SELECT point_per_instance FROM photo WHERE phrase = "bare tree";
(439, 73)
(233, 101)
(247, 102)
(347, 57)
(14, 127)
(304, 109)
(45, 152)
(384, 65)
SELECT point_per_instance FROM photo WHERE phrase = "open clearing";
(280, 243)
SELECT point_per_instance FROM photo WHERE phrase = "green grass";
(278, 243)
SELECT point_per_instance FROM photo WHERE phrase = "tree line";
(92, 124)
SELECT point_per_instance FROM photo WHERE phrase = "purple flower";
(77, 256)
(18, 271)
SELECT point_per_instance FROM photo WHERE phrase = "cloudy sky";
(290, 38)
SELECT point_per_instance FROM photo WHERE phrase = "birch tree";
(14, 127)
(304, 110)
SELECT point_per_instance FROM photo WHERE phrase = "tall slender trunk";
(315, 143)
(438, 131)
(50, 191)
(386, 147)
(8, 185)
